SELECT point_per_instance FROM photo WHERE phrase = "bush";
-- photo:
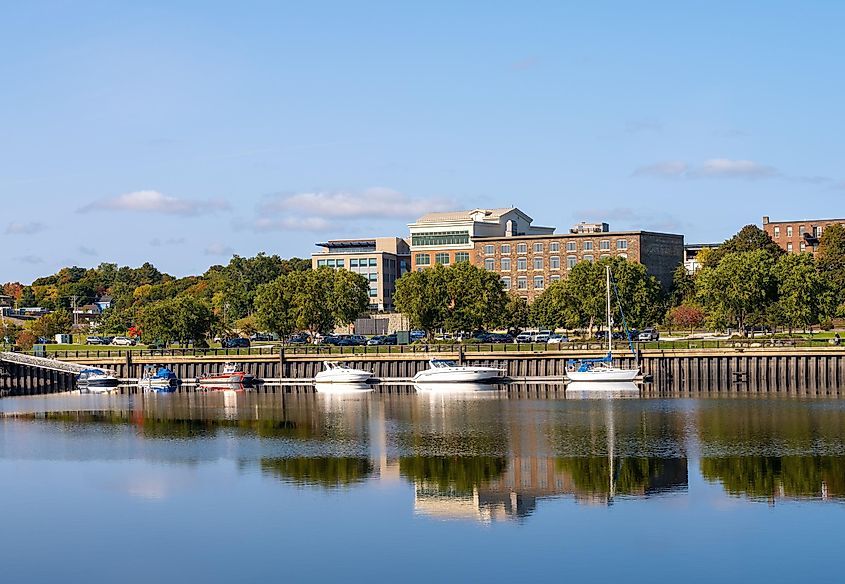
(26, 339)
(826, 325)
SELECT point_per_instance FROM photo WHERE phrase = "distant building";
(798, 236)
(6, 301)
(104, 303)
(447, 238)
(528, 264)
(691, 252)
(381, 260)
(585, 227)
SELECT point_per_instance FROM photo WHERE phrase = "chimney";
(765, 219)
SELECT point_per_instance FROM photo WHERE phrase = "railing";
(581, 346)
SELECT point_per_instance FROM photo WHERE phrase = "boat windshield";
(441, 363)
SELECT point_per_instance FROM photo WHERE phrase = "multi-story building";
(798, 236)
(447, 238)
(529, 263)
(691, 252)
(382, 261)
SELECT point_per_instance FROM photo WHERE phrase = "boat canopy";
(584, 365)
(442, 363)
(92, 372)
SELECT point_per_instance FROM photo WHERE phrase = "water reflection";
(464, 458)
(447, 388)
(602, 390)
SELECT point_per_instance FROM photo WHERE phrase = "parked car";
(602, 336)
(556, 339)
(123, 342)
(157, 345)
(235, 343)
(417, 335)
(376, 340)
(299, 339)
(524, 338)
(541, 336)
(261, 337)
(94, 340)
(648, 335)
(499, 338)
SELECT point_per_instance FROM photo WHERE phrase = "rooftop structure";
(585, 227)
(691, 252)
(447, 238)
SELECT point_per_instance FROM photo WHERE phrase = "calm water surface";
(242, 487)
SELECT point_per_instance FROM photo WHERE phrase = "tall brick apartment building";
(529, 263)
(798, 236)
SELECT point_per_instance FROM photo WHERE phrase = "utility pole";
(73, 309)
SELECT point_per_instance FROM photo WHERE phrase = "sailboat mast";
(609, 319)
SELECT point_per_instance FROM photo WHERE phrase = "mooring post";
(128, 372)
(460, 355)
(282, 363)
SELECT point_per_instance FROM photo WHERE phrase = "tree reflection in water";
(459, 475)
(593, 478)
(771, 477)
(326, 472)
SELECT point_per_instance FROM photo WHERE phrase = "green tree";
(192, 319)
(555, 308)
(274, 307)
(476, 298)
(831, 265)
(740, 286)
(801, 290)
(683, 286)
(517, 313)
(749, 238)
(423, 298)
(52, 324)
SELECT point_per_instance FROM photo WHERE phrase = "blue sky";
(181, 132)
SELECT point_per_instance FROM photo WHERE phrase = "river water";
(434, 487)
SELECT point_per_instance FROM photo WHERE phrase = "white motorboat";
(159, 379)
(96, 380)
(336, 372)
(602, 370)
(444, 371)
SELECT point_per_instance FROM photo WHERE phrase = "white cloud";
(15, 228)
(713, 168)
(218, 249)
(666, 169)
(89, 251)
(370, 203)
(726, 168)
(155, 202)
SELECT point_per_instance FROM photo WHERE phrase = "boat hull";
(336, 376)
(603, 375)
(225, 380)
(458, 375)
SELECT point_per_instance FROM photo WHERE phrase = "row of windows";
(539, 263)
(817, 231)
(331, 263)
(440, 238)
(424, 259)
(522, 282)
(604, 245)
(355, 262)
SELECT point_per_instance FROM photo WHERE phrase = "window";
(538, 263)
(441, 258)
(554, 247)
(571, 261)
(330, 263)
(506, 248)
(554, 262)
(522, 248)
(571, 246)
(341, 263)
(604, 245)
(461, 256)
(789, 231)
(539, 283)
(777, 232)
(621, 244)
(555, 278)
(353, 263)
(589, 258)
(588, 246)
(538, 248)
(803, 246)
(440, 238)
(321, 263)
(490, 264)
(373, 262)
(373, 277)
(789, 247)
(506, 281)
(522, 283)
(605, 255)
(373, 292)
(423, 259)
(489, 249)
(801, 231)
(521, 264)
(506, 264)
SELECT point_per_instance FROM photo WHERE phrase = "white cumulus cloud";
(155, 202)
(375, 202)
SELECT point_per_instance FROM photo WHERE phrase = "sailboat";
(601, 370)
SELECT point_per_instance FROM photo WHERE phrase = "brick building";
(447, 238)
(529, 263)
(798, 236)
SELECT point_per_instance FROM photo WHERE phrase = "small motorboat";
(159, 378)
(441, 370)
(232, 375)
(336, 372)
(96, 380)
